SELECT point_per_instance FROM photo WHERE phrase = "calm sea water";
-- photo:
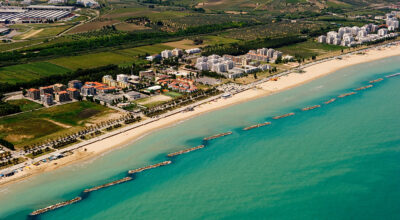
(340, 161)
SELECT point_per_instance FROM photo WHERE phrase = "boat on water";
(185, 151)
(311, 107)
(364, 87)
(346, 94)
(138, 170)
(283, 116)
(56, 206)
(108, 184)
(393, 75)
(376, 80)
(256, 126)
(217, 136)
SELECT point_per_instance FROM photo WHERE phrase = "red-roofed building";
(34, 94)
(62, 96)
(46, 89)
(73, 93)
(181, 84)
(47, 99)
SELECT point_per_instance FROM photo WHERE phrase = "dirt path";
(57, 123)
(32, 34)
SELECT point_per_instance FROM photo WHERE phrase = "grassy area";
(76, 113)
(47, 123)
(91, 60)
(105, 58)
(52, 31)
(25, 104)
(129, 27)
(152, 104)
(92, 26)
(310, 48)
(10, 46)
(209, 40)
(150, 49)
(26, 72)
(173, 94)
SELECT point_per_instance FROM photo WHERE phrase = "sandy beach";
(285, 82)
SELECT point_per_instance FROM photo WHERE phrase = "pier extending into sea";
(217, 136)
(56, 206)
(185, 151)
(256, 126)
(138, 170)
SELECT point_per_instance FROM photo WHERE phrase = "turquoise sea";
(340, 161)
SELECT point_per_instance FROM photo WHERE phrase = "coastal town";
(104, 95)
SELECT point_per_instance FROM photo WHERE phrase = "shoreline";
(285, 82)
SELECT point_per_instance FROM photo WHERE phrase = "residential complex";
(352, 36)
(236, 66)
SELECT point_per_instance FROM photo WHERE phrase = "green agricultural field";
(91, 60)
(76, 113)
(310, 48)
(36, 126)
(52, 31)
(25, 104)
(11, 46)
(150, 49)
(27, 72)
(209, 40)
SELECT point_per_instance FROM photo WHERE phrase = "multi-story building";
(382, 32)
(46, 89)
(122, 78)
(59, 87)
(277, 55)
(362, 33)
(62, 96)
(177, 52)
(75, 84)
(166, 54)
(332, 34)
(73, 93)
(88, 90)
(46, 99)
(34, 94)
(203, 66)
(107, 79)
(193, 51)
(148, 75)
(322, 39)
(270, 52)
(355, 30)
(103, 90)
(337, 41)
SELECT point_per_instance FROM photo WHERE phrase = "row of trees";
(7, 108)
(179, 102)
(7, 144)
(13, 161)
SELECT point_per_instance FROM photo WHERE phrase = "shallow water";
(340, 161)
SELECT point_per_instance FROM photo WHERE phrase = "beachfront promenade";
(239, 89)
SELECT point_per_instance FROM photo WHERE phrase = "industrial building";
(34, 14)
